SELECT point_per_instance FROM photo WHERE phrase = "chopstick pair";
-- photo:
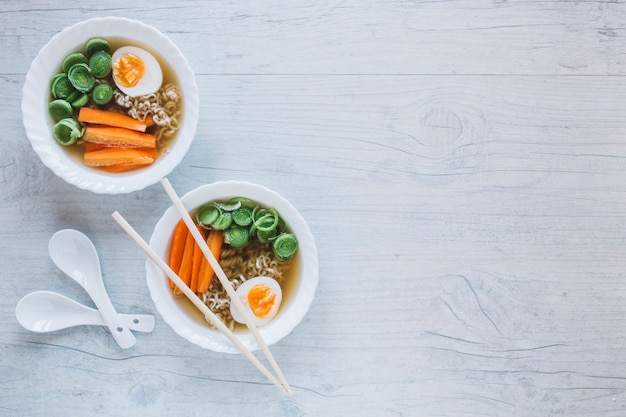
(283, 385)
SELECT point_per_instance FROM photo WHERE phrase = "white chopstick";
(219, 272)
(210, 316)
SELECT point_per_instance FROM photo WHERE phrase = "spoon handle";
(138, 322)
(119, 330)
(91, 317)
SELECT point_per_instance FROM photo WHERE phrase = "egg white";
(242, 293)
(152, 77)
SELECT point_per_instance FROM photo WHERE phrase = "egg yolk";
(128, 70)
(261, 299)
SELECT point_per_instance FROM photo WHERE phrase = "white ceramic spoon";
(76, 255)
(47, 311)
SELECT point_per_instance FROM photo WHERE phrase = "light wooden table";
(462, 165)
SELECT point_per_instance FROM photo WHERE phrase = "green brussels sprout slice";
(80, 100)
(73, 59)
(81, 77)
(94, 45)
(59, 109)
(285, 246)
(67, 131)
(100, 64)
(102, 94)
(236, 236)
(62, 87)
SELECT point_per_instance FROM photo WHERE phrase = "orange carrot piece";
(214, 242)
(90, 147)
(119, 156)
(118, 136)
(179, 236)
(197, 262)
(149, 121)
(186, 264)
(120, 168)
(110, 118)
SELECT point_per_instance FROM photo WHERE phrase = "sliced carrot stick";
(149, 121)
(214, 242)
(118, 136)
(90, 147)
(197, 262)
(186, 264)
(121, 168)
(179, 235)
(110, 118)
(119, 156)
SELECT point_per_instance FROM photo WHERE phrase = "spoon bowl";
(47, 311)
(73, 253)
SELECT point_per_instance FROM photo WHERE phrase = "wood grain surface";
(461, 164)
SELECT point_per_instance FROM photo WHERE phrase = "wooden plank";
(403, 37)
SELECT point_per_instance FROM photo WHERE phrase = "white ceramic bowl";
(196, 330)
(38, 123)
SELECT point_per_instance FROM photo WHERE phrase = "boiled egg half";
(136, 72)
(261, 298)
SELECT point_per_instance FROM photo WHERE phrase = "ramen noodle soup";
(254, 248)
(115, 105)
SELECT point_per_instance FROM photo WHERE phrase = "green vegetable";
(266, 237)
(245, 202)
(236, 236)
(227, 206)
(60, 109)
(76, 85)
(285, 246)
(266, 219)
(80, 100)
(55, 79)
(242, 219)
(73, 96)
(224, 220)
(61, 86)
(67, 131)
(102, 94)
(94, 45)
(100, 64)
(81, 77)
(73, 59)
(207, 214)
(242, 216)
